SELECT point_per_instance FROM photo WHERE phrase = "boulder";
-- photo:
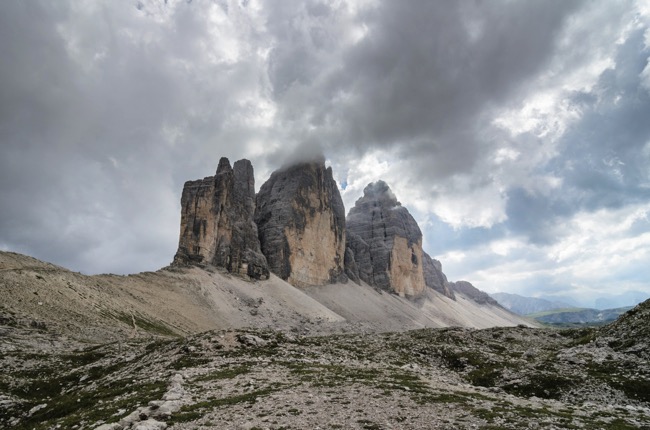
(150, 424)
(217, 225)
(301, 223)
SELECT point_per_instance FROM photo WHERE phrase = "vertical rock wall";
(435, 278)
(217, 225)
(406, 270)
(384, 246)
(296, 228)
(301, 222)
(386, 242)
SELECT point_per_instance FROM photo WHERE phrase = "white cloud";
(600, 254)
(516, 130)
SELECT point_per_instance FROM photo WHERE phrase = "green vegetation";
(197, 410)
(610, 372)
(91, 385)
(72, 389)
(542, 385)
(189, 360)
(154, 327)
(227, 373)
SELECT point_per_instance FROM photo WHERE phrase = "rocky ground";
(498, 378)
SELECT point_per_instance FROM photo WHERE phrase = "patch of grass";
(227, 373)
(542, 385)
(581, 336)
(610, 372)
(619, 424)
(442, 398)
(189, 360)
(185, 416)
(459, 360)
(83, 358)
(485, 376)
(157, 345)
(637, 389)
(521, 416)
(554, 311)
(406, 381)
(329, 375)
(78, 406)
(197, 410)
(155, 327)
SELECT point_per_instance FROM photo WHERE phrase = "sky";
(517, 133)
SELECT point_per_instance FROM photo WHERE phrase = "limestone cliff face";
(301, 222)
(384, 246)
(217, 225)
(386, 242)
(296, 228)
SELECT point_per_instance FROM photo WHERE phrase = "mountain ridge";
(303, 235)
(177, 301)
(523, 305)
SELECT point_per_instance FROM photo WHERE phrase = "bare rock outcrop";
(434, 277)
(301, 222)
(386, 242)
(217, 225)
(469, 290)
(358, 264)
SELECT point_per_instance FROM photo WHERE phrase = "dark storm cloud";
(107, 108)
(603, 153)
(422, 77)
(104, 114)
(536, 216)
(602, 161)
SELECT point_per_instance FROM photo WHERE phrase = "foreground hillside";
(180, 301)
(171, 350)
(498, 378)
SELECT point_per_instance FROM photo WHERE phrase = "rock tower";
(301, 222)
(217, 224)
(295, 227)
(384, 246)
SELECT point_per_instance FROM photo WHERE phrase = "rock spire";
(217, 225)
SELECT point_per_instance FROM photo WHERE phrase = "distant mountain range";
(573, 316)
(527, 305)
(557, 312)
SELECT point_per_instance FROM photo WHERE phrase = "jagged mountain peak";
(296, 228)
(384, 246)
(377, 193)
